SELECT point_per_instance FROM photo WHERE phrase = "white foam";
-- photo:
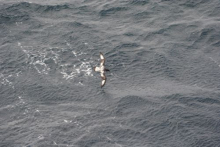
(78, 70)
(74, 53)
(37, 58)
(40, 137)
(5, 80)
(54, 142)
(80, 83)
(67, 121)
(215, 61)
(18, 23)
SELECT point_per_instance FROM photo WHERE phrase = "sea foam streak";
(67, 62)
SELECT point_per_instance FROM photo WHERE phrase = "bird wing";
(103, 79)
(102, 59)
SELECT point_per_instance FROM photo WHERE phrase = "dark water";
(163, 89)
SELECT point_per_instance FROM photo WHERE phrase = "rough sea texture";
(163, 88)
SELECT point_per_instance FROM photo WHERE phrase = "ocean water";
(163, 88)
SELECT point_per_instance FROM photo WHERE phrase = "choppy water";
(163, 89)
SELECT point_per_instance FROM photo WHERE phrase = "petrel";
(102, 69)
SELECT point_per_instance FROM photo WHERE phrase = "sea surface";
(163, 88)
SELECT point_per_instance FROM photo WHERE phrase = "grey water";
(163, 88)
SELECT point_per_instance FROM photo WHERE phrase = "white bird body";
(100, 69)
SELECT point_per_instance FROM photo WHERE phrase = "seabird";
(102, 69)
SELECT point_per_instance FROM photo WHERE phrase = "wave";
(34, 7)
(24, 11)
(48, 60)
(112, 10)
(139, 2)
